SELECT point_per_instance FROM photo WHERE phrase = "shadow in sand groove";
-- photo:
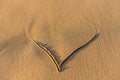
(61, 65)
(70, 57)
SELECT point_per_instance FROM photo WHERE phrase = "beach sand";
(90, 29)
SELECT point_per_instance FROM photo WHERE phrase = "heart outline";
(59, 69)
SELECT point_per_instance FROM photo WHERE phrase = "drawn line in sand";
(51, 53)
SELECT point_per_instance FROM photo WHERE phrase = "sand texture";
(59, 40)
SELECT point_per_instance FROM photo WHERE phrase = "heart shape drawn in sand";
(65, 41)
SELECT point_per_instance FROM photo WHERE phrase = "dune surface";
(59, 40)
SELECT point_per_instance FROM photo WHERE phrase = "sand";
(59, 40)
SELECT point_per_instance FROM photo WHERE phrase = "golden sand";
(81, 38)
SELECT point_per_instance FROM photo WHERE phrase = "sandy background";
(66, 25)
